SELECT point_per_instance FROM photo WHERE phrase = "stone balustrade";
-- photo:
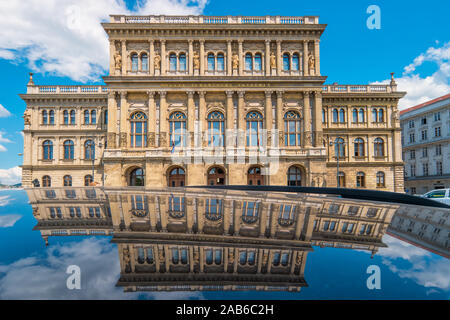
(214, 19)
(67, 89)
(358, 89)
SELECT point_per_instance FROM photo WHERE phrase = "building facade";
(196, 100)
(426, 145)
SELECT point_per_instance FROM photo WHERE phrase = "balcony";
(358, 89)
(67, 90)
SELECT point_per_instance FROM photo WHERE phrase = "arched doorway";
(177, 177)
(216, 176)
(137, 178)
(255, 177)
(294, 176)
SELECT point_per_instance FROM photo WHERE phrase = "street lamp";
(91, 149)
(338, 142)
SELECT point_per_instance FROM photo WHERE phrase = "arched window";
(176, 207)
(220, 62)
(67, 181)
(88, 179)
(69, 150)
(341, 115)
(134, 62)
(66, 116)
(378, 147)
(255, 177)
(89, 150)
(211, 62)
(47, 150)
(52, 117)
(276, 259)
(374, 115)
(46, 181)
(254, 128)
(359, 147)
(341, 177)
(44, 117)
(258, 62)
(380, 179)
(86, 117)
(216, 176)
(248, 62)
(339, 147)
(209, 256)
(360, 180)
(284, 259)
(177, 129)
(380, 115)
(137, 177)
(173, 62)
(335, 116)
(361, 117)
(213, 209)
(138, 135)
(286, 62)
(176, 177)
(144, 62)
(355, 115)
(93, 117)
(324, 116)
(294, 176)
(72, 116)
(295, 62)
(216, 129)
(292, 128)
(182, 60)
(105, 117)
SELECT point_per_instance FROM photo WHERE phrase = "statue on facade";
(235, 61)
(231, 256)
(27, 117)
(118, 61)
(273, 60)
(311, 62)
(196, 58)
(157, 61)
(196, 257)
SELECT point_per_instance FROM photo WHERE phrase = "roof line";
(425, 104)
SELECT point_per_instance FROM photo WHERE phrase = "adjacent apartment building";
(426, 148)
(196, 100)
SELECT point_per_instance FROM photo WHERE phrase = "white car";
(441, 195)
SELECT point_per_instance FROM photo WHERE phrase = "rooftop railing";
(214, 19)
(67, 89)
(358, 88)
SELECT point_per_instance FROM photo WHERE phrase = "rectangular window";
(437, 131)
(412, 138)
(423, 121)
(439, 168)
(438, 150)
(424, 134)
(413, 170)
(412, 154)
(425, 152)
(411, 124)
(425, 169)
(437, 116)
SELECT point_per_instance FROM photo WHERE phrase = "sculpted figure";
(311, 62)
(235, 61)
(157, 61)
(273, 60)
(118, 60)
(196, 60)
(27, 117)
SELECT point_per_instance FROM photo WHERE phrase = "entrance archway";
(216, 176)
(255, 177)
(177, 177)
(137, 178)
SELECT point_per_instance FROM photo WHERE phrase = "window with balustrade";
(286, 216)
(177, 129)
(216, 129)
(254, 121)
(292, 129)
(213, 209)
(250, 211)
(176, 206)
(138, 136)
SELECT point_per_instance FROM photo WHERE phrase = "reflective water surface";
(179, 243)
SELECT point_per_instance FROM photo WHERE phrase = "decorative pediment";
(215, 105)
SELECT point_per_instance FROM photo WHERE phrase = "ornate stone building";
(195, 100)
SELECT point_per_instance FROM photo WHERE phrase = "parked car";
(441, 195)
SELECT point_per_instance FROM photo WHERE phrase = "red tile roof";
(425, 104)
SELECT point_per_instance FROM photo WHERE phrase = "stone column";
(202, 57)
(268, 116)
(202, 117)
(191, 118)
(241, 57)
(163, 138)
(151, 119)
(305, 58)
(112, 62)
(279, 58)
(163, 57)
(191, 57)
(241, 119)
(112, 120)
(280, 125)
(318, 130)
(317, 57)
(267, 53)
(151, 58)
(306, 120)
(229, 57)
(123, 119)
(124, 57)
(230, 119)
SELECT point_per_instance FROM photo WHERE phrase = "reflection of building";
(428, 228)
(426, 145)
(70, 211)
(240, 98)
(213, 239)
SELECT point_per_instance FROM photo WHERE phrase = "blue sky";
(63, 43)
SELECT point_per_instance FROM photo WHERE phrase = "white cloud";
(3, 140)
(4, 200)
(9, 220)
(65, 38)
(44, 277)
(419, 88)
(11, 176)
(3, 112)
